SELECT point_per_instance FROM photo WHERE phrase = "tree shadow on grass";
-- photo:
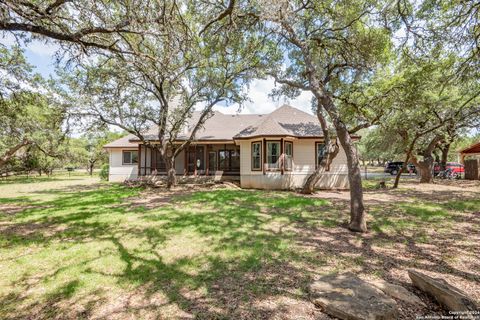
(215, 254)
(244, 259)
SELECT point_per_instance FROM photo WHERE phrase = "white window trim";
(131, 158)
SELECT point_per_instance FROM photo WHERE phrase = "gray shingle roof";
(284, 121)
(218, 127)
(123, 142)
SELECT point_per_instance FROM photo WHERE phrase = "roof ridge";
(284, 106)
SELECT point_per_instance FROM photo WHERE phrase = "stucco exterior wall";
(303, 166)
(120, 172)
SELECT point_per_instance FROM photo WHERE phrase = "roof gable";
(284, 121)
(474, 148)
(123, 142)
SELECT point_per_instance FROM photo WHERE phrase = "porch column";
(282, 157)
(139, 158)
(226, 161)
(195, 161)
(153, 159)
(145, 160)
(207, 150)
(185, 162)
(264, 157)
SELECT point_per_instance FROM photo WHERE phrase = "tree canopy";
(30, 113)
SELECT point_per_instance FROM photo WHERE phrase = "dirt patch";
(152, 198)
(444, 190)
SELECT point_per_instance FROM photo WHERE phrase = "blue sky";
(42, 55)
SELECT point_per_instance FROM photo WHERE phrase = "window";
(130, 157)
(273, 154)
(256, 156)
(320, 152)
(288, 155)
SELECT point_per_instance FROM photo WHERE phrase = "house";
(470, 157)
(264, 151)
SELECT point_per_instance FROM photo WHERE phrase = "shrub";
(104, 172)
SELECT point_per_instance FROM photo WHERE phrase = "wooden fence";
(472, 169)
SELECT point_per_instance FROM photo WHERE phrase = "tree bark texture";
(358, 221)
(171, 174)
(331, 151)
(425, 166)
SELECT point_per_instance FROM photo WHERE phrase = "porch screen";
(288, 155)
(229, 160)
(157, 161)
(212, 161)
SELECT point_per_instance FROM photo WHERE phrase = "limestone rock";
(451, 297)
(348, 297)
(397, 292)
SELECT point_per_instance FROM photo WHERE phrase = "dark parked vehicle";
(395, 166)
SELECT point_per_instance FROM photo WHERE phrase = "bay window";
(256, 156)
(288, 155)
(320, 153)
(273, 154)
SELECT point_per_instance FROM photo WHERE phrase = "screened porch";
(198, 159)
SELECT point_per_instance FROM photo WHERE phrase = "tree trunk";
(317, 87)
(402, 169)
(444, 159)
(171, 173)
(90, 168)
(398, 176)
(426, 165)
(11, 152)
(426, 175)
(425, 168)
(331, 151)
(358, 221)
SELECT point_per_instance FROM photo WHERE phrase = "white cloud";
(42, 48)
(7, 39)
(261, 103)
(38, 47)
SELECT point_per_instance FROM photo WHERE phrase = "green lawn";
(73, 247)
